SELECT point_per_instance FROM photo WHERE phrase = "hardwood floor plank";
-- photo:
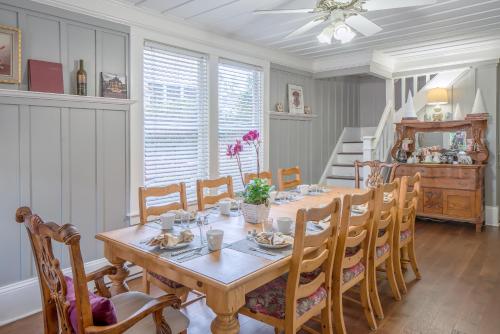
(459, 292)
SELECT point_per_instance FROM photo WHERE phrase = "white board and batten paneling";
(55, 35)
(308, 142)
(67, 158)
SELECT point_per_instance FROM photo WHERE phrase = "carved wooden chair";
(146, 211)
(404, 232)
(382, 242)
(352, 257)
(284, 181)
(204, 199)
(376, 176)
(262, 175)
(135, 312)
(288, 302)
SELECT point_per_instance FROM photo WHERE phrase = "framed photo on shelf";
(10, 55)
(113, 85)
(295, 99)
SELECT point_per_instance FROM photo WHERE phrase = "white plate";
(178, 246)
(272, 246)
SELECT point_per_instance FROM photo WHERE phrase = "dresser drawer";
(444, 177)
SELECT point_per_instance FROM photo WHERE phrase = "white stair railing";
(378, 146)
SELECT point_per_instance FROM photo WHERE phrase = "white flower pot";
(255, 213)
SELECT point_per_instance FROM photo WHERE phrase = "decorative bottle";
(81, 80)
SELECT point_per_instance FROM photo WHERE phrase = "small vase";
(253, 214)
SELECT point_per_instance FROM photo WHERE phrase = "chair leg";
(367, 306)
(374, 297)
(338, 313)
(326, 319)
(413, 258)
(389, 266)
(404, 257)
(398, 271)
(276, 330)
(146, 285)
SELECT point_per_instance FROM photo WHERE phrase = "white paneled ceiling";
(413, 31)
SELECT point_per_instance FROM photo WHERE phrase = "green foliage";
(257, 192)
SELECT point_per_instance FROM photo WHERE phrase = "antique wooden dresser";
(449, 192)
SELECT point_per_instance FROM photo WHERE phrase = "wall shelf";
(285, 115)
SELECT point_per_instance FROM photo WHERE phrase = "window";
(240, 110)
(175, 117)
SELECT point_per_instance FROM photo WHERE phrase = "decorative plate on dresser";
(449, 191)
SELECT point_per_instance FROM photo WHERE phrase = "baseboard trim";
(491, 216)
(22, 299)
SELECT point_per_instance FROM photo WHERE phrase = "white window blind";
(175, 117)
(240, 110)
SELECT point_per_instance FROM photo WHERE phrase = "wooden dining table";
(224, 276)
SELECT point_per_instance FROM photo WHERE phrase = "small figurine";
(279, 107)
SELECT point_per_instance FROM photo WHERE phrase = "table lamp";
(437, 97)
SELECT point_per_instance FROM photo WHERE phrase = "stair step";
(351, 153)
(342, 165)
(352, 142)
(341, 177)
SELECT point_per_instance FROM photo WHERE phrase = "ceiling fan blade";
(284, 11)
(362, 25)
(372, 5)
(306, 27)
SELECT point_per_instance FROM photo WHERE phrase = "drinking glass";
(267, 224)
(185, 220)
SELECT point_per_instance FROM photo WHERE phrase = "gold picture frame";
(10, 55)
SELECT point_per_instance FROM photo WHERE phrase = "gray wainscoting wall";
(309, 143)
(67, 159)
(55, 35)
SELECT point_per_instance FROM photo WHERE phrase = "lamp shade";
(437, 96)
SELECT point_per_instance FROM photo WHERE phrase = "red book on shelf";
(44, 76)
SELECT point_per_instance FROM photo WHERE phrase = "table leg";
(225, 304)
(118, 284)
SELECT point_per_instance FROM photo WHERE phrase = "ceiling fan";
(342, 15)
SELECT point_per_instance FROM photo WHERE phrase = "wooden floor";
(459, 292)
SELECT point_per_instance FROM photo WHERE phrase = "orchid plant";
(258, 191)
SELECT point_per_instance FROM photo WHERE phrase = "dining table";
(224, 276)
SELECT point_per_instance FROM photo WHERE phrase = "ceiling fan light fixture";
(343, 33)
(326, 35)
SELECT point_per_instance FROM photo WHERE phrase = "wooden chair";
(136, 312)
(284, 182)
(149, 277)
(376, 176)
(404, 232)
(382, 245)
(306, 291)
(204, 200)
(262, 175)
(351, 258)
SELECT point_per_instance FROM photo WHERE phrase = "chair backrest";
(284, 182)
(262, 175)
(354, 234)
(408, 204)
(204, 200)
(320, 249)
(50, 276)
(385, 216)
(376, 176)
(145, 193)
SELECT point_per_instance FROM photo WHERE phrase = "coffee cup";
(225, 207)
(167, 220)
(303, 189)
(214, 239)
(284, 225)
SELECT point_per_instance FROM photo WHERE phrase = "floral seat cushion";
(168, 282)
(354, 271)
(381, 250)
(405, 235)
(270, 299)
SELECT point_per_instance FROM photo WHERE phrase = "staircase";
(363, 144)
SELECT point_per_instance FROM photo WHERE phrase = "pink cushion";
(103, 310)
(405, 235)
(270, 299)
(354, 271)
(381, 250)
(168, 282)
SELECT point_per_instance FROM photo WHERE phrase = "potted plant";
(255, 206)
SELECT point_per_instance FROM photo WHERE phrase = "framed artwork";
(295, 99)
(10, 55)
(113, 85)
